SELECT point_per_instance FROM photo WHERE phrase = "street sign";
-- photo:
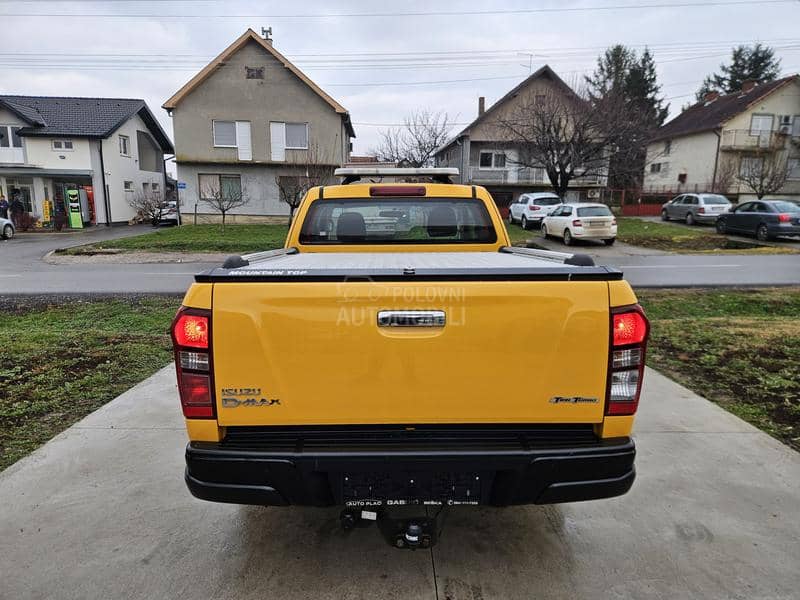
(181, 185)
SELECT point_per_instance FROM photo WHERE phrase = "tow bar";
(404, 534)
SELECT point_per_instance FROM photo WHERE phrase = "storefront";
(56, 201)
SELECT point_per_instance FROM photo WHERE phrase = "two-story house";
(101, 150)
(245, 120)
(484, 158)
(708, 146)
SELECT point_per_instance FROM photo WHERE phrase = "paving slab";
(102, 512)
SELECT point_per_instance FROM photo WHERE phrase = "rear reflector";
(397, 190)
(195, 392)
(629, 329)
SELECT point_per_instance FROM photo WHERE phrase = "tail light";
(613, 221)
(629, 331)
(784, 218)
(536, 207)
(701, 210)
(191, 340)
(577, 223)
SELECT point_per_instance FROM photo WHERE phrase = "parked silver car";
(696, 208)
(7, 229)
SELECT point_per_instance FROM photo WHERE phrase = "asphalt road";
(22, 270)
(102, 512)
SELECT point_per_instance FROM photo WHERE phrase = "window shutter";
(277, 141)
(243, 140)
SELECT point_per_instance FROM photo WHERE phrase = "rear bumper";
(781, 230)
(503, 472)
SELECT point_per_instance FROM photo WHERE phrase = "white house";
(106, 149)
(707, 146)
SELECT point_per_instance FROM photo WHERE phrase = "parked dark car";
(765, 219)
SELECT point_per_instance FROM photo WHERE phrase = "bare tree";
(726, 176)
(764, 172)
(307, 170)
(223, 194)
(415, 143)
(567, 135)
(147, 205)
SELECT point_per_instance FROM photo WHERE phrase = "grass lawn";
(59, 363)
(663, 236)
(738, 348)
(236, 239)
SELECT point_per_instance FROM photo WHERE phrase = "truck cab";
(362, 364)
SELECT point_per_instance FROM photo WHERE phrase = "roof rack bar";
(438, 174)
(579, 260)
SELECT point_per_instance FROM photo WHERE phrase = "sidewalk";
(102, 512)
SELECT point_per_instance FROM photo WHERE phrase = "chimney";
(710, 97)
(481, 105)
(748, 85)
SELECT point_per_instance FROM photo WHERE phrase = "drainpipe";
(106, 199)
(716, 161)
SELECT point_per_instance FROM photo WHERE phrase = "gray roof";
(55, 116)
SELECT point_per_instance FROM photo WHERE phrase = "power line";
(439, 13)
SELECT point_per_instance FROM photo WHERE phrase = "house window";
(492, 160)
(667, 147)
(655, 168)
(61, 145)
(254, 72)
(793, 167)
(124, 145)
(751, 165)
(224, 133)
(214, 187)
(10, 136)
(796, 126)
(297, 136)
(128, 186)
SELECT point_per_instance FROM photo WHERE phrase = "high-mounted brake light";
(397, 190)
(191, 340)
(629, 332)
(784, 218)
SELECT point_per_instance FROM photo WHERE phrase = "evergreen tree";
(757, 63)
(622, 74)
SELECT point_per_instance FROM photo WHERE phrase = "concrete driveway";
(102, 512)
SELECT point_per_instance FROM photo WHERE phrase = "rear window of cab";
(398, 221)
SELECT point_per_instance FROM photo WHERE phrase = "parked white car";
(531, 209)
(7, 229)
(581, 221)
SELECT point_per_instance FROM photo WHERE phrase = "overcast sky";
(377, 66)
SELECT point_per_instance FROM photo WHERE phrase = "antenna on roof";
(267, 34)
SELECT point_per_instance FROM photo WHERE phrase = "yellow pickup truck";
(400, 351)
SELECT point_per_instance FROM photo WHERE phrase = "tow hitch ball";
(405, 534)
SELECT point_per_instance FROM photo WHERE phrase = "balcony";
(524, 176)
(742, 140)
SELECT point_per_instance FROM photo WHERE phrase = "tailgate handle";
(411, 318)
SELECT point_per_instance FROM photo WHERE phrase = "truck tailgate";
(311, 352)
